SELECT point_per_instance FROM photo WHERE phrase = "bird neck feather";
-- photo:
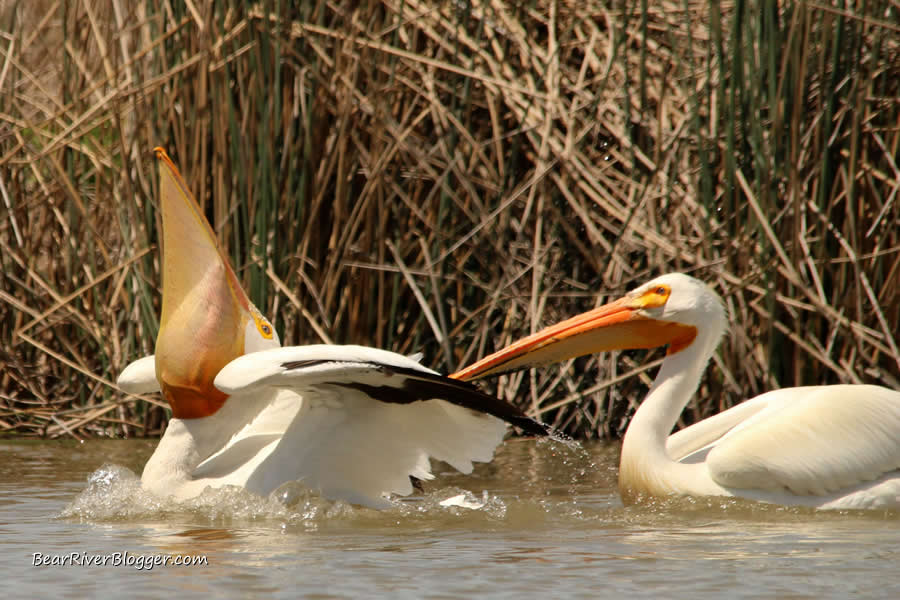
(188, 442)
(645, 463)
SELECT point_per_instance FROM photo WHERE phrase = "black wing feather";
(417, 386)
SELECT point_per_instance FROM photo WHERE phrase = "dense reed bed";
(448, 176)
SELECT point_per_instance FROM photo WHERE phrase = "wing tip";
(532, 426)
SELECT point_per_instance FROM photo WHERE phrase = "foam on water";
(542, 484)
(549, 482)
(550, 524)
(114, 493)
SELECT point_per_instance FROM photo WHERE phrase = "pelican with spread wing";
(356, 423)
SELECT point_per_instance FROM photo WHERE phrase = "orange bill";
(204, 309)
(619, 325)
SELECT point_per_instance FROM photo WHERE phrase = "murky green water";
(551, 525)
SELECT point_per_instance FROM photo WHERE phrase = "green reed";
(448, 177)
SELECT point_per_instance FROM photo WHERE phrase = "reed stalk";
(446, 177)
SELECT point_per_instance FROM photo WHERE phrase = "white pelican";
(356, 423)
(832, 446)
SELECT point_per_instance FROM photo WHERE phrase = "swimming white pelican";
(355, 423)
(832, 446)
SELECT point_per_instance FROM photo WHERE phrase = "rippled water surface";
(547, 522)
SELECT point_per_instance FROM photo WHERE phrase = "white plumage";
(310, 424)
(355, 423)
(823, 446)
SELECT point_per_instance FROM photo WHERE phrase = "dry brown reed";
(448, 176)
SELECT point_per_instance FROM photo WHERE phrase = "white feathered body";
(313, 424)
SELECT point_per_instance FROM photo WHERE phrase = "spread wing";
(139, 377)
(354, 422)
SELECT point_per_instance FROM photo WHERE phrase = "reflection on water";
(549, 522)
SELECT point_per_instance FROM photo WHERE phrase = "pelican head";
(668, 310)
(207, 320)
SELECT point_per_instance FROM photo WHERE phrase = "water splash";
(114, 493)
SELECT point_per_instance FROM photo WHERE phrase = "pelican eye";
(655, 297)
(263, 327)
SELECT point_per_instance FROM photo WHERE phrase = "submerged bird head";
(668, 310)
(207, 320)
